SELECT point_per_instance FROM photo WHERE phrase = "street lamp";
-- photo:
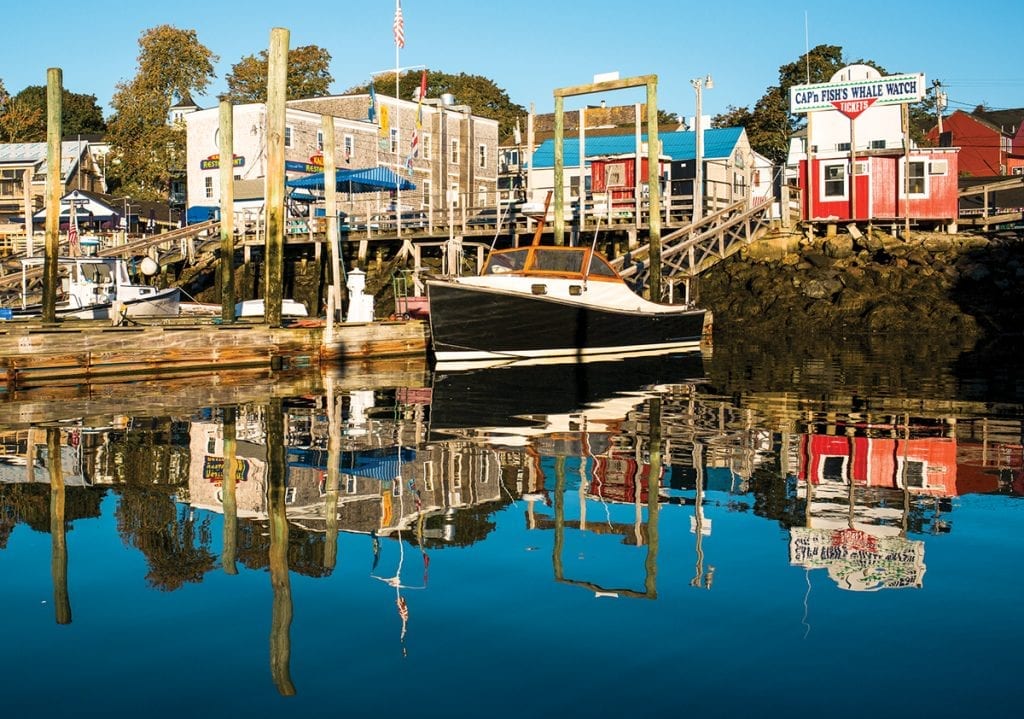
(699, 84)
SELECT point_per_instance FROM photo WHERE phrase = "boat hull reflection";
(523, 394)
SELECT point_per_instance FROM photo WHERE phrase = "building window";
(287, 135)
(394, 139)
(350, 483)
(454, 200)
(454, 155)
(877, 145)
(427, 191)
(843, 146)
(915, 181)
(615, 174)
(427, 145)
(833, 181)
(348, 144)
(320, 140)
(208, 187)
(482, 156)
(481, 196)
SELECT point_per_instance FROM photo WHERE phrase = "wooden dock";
(34, 354)
(101, 401)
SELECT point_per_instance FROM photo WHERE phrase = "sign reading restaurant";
(213, 162)
(854, 96)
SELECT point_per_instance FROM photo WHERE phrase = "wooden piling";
(230, 501)
(277, 75)
(281, 611)
(54, 130)
(331, 212)
(226, 268)
(58, 537)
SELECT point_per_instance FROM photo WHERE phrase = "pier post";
(277, 71)
(227, 213)
(54, 130)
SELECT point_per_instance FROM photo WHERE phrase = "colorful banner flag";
(371, 114)
(385, 122)
(398, 26)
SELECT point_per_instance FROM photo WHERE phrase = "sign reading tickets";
(853, 97)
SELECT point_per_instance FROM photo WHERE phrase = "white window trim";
(820, 470)
(348, 146)
(289, 133)
(453, 151)
(482, 156)
(822, 180)
(901, 179)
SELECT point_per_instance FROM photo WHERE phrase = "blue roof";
(682, 145)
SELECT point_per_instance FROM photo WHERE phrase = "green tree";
(308, 75)
(770, 124)
(80, 115)
(481, 94)
(172, 64)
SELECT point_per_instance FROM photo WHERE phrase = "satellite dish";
(149, 266)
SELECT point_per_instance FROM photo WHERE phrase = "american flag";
(73, 234)
(399, 25)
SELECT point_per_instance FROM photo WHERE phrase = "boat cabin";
(544, 261)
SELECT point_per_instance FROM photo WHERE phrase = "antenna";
(807, 50)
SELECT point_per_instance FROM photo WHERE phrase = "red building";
(991, 142)
(880, 193)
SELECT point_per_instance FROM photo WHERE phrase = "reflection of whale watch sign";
(859, 561)
(213, 162)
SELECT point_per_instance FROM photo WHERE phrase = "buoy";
(149, 266)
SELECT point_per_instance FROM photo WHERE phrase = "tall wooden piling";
(54, 130)
(281, 613)
(58, 537)
(277, 75)
(653, 187)
(227, 212)
(331, 212)
(230, 501)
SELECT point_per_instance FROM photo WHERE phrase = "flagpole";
(399, 41)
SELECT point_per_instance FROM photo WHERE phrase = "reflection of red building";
(937, 466)
(924, 465)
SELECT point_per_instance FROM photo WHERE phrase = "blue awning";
(370, 179)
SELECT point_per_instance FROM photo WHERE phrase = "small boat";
(98, 288)
(551, 301)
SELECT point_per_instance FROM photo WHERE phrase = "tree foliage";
(481, 94)
(308, 75)
(80, 115)
(770, 124)
(172, 64)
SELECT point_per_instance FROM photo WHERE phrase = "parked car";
(411, 220)
(493, 216)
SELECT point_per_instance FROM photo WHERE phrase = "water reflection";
(602, 463)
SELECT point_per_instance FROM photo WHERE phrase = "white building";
(456, 150)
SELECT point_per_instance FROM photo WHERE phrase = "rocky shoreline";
(946, 289)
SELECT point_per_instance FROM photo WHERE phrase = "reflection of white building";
(206, 471)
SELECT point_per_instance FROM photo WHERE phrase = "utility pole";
(940, 102)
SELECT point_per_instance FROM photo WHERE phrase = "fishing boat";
(97, 288)
(551, 301)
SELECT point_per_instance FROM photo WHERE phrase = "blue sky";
(540, 45)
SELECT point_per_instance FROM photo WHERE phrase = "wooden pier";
(33, 354)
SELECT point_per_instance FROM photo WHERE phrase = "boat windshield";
(548, 260)
(506, 261)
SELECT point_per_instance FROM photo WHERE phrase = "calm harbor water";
(755, 530)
